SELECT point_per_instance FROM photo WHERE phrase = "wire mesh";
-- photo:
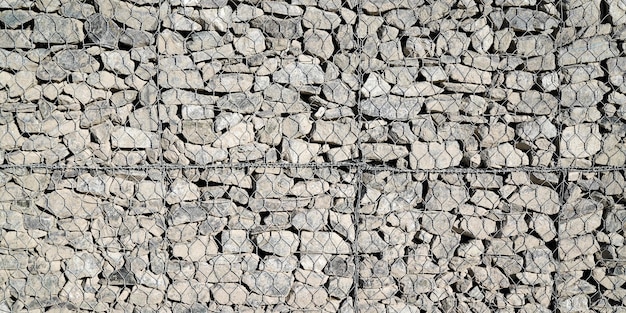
(312, 156)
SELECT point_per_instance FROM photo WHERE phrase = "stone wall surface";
(312, 156)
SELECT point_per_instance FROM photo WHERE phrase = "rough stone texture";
(312, 156)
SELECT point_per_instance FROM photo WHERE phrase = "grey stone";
(391, 107)
(15, 18)
(466, 74)
(541, 127)
(128, 137)
(444, 197)
(530, 20)
(268, 283)
(118, 62)
(199, 131)
(137, 38)
(299, 74)
(315, 18)
(383, 151)
(281, 243)
(335, 132)
(435, 155)
(281, 8)
(504, 155)
(102, 30)
(16, 39)
(536, 198)
(532, 102)
(76, 61)
(245, 103)
(580, 141)
(587, 50)
(288, 28)
(137, 17)
(584, 94)
(323, 242)
(231, 82)
(204, 40)
(83, 264)
(56, 29)
(418, 89)
(65, 203)
(251, 43)
(319, 43)
(534, 45)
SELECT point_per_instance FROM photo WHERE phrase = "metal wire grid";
(371, 288)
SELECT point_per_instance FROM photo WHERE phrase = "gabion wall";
(312, 156)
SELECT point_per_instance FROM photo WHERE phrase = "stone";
(137, 17)
(118, 62)
(476, 227)
(536, 198)
(466, 74)
(199, 131)
(278, 27)
(170, 43)
(532, 102)
(370, 242)
(315, 18)
(184, 79)
(391, 107)
(204, 40)
(299, 74)
(452, 42)
(434, 155)
(83, 264)
(230, 83)
(580, 141)
(338, 92)
(418, 89)
(102, 30)
(323, 242)
(299, 151)
(504, 155)
(437, 223)
(443, 197)
(588, 50)
(544, 226)
(128, 137)
(228, 294)
(491, 278)
(281, 243)
(281, 8)
(522, 19)
(491, 135)
(268, 283)
(383, 152)
(245, 103)
(541, 127)
(203, 155)
(251, 43)
(319, 43)
(65, 203)
(180, 190)
(16, 39)
(236, 241)
(76, 61)
(335, 132)
(519, 80)
(15, 18)
(534, 45)
(585, 94)
(237, 135)
(55, 29)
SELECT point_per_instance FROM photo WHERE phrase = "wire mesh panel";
(259, 82)
(590, 231)
(452, 242)
(312, 156)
